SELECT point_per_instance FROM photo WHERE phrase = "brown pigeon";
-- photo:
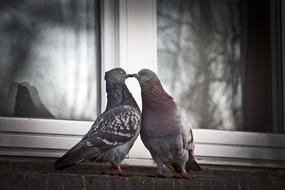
(114, 131)
(165, 130)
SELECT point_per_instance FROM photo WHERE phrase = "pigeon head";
(151, 85)
(116, 76)
(146, 76)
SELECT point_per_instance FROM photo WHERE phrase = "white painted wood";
(38, 141)
(108, 35)
(109, 42)
(47, 135)
(80, 128)
(229, 144)
(239, 138)
(44, 142)
(241, 162)
(225, 144)
(44, 126)
(31, 152)
(138, 35)
(137, 39)
(213, 161)
(245, 152)
(211, 150)
(138, 50)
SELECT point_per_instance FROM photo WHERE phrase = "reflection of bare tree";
(199, 59)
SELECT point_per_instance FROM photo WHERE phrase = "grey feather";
(166, 131)
(114, 132)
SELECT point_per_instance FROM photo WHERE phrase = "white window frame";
(128, 40)
(52, 137)
(138, 49)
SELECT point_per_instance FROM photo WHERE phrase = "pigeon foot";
(184, 174)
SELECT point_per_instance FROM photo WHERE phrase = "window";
(215, 58)
(189, 47)
(50, 60)
(136, 34)
(54, 54)
(49, 74)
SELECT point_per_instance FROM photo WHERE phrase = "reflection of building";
(28, 103)
(53, 47)
(222, 60)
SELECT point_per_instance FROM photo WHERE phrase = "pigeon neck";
(155, 96)
(119, 94)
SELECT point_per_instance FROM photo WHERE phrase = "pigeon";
(114, 132)
(165, 129)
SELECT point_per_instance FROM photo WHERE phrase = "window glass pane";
(214, 58)
(48, 59)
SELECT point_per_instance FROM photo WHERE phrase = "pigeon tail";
(74, 156)
(191, 164)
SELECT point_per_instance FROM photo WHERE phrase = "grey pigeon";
(165, 130)
(114, 132)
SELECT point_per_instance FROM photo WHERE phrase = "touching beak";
(132, 75)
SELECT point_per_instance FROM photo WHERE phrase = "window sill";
(52, 138)
(35, 173)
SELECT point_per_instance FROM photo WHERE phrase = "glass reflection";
(199, 59)
(48, 61)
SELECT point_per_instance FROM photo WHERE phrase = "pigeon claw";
(184, 174)
(120, 171)
(159, 174)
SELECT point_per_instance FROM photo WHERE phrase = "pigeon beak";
(132, 75)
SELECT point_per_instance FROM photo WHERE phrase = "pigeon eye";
(121, 73)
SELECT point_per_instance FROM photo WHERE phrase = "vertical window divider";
(109, 42)
(277, 65)
(283, 57)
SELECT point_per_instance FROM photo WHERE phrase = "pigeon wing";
(187, 133)
(113, 128)
(188, 143)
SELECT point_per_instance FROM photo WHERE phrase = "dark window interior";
(221, 61)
